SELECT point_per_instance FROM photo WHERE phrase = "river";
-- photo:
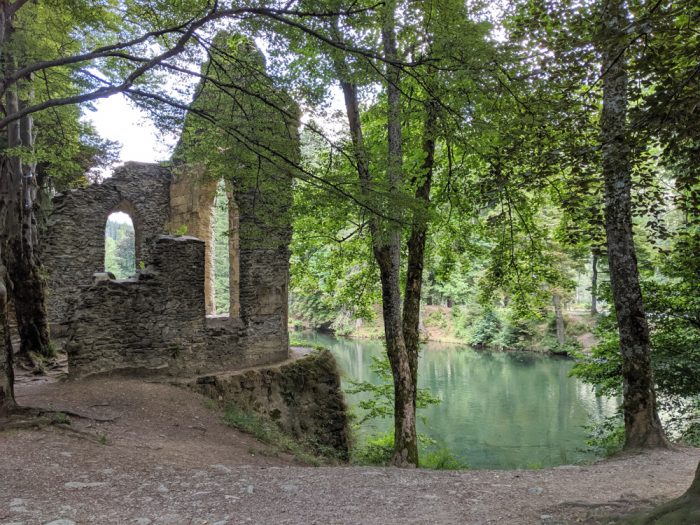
(498, 409)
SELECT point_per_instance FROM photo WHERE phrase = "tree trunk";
(416, 242)
(642, 426)
(386, 243)
(7, 378)
(386, 250)
(594, 283)
(559, 318)
(388, 254)
(9, 184)
(20, 235)
(25, 268)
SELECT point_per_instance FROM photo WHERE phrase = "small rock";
(142, 521)
(536, 490)
(222, 468)
(546, 517)
(289, 488)
(61, 521)
(162, 488)
(67, 454)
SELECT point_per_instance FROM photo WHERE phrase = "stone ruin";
(161, 319)
(160, 322)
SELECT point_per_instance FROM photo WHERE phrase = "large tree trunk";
(7, 380)
(386, 244)
(642, 426)
(25, 268)
(20, 235)
(416, 242)
(9, 195)
(387, 251)
(594, 283)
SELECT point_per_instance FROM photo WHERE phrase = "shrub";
(484, 331)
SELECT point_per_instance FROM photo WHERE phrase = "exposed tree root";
(684, 510)
(28, 417)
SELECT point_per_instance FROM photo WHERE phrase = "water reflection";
(498, 410)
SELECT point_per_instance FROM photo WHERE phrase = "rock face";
(156, 322)
(303, 397)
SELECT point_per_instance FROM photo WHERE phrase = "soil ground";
(157, 454)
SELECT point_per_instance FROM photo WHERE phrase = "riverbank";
(492, 330)
(166, 458)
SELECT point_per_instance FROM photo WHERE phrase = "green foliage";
(441, 459)
(222, 268)
(516, 334)
(381, 403)
(673, 310)
(60, 418)
(484, 331)
(378, 450)
(181, 231)
(606, 437)
(436, 318)
(120, 251)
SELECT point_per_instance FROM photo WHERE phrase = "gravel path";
(164, 458)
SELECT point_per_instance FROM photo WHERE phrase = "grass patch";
(59, 418)
(378, 449)
(277, 440)
(442, 459)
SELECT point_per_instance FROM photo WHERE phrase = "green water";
(498, 409)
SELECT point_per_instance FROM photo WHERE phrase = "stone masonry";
(156, 321)
(74, 246)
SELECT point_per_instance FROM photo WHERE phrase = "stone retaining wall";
(302, 396)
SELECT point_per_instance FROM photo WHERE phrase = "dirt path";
(165, 457)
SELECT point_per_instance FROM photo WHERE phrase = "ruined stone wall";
(158, 320)
(155, 323)
(74, 244)
(192, 197)
(302, 396)
(149, 322)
